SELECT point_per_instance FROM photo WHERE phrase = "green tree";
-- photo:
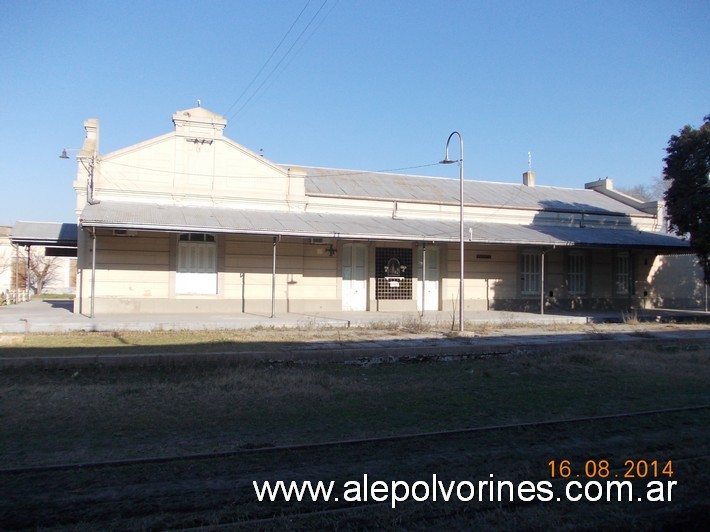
(688, 196)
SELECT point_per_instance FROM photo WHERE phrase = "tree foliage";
(688, 196)
(653, 191)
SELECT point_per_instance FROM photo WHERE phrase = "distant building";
(6, 255)
(191, 221)
(51, 248)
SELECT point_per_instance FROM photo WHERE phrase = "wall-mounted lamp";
(88, 162)
(331, 250)
(64, 154)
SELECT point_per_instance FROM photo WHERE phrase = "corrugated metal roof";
(303, 224)
(367, 185)
(44, 234)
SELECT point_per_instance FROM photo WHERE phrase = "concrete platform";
(511, 331)
(55, 316)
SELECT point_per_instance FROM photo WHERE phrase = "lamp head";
(64, 154)
(446, 156)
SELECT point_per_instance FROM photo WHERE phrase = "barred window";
(622, 274)
(530, 273)
(576, 273)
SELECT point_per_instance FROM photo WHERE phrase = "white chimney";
(529, 178)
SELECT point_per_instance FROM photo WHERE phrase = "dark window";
(196, 237)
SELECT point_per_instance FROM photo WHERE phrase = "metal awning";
(152, 217)
(48, 234)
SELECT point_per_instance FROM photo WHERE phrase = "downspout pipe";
(273, 277)
(17, 274)
(28, 249)
(423, 278)
(93, 271)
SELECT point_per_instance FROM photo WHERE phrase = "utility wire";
(269, 59)
(303, 44)
(335, 173)
(276, 67)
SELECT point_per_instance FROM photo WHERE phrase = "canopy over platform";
(151, 217)
(59, 239)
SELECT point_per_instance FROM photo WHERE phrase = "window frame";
(622, 274)
(577, 278)
(530, 273)
(196, 269)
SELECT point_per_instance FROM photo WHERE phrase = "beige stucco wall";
(676, 282)
(137, 273)
(171, 169)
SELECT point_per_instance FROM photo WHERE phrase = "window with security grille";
(393, 273)
(576, 273)
(530, 273)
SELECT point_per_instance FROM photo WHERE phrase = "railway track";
(340, 443)
(215, 491)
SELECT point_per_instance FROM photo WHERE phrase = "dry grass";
(630, 318)
(67, 344)
(111, 412)
(97, 413)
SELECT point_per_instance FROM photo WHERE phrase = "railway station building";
(191, 221)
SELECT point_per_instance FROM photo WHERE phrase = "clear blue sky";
(592, 89)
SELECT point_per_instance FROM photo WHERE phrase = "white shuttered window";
(196, 264)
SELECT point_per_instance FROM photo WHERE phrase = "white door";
(428, 291)
(354, 277)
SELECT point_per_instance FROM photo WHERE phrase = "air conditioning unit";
(124, 232)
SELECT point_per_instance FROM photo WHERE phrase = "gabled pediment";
(195, 164)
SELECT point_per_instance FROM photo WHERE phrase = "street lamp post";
(446, 160)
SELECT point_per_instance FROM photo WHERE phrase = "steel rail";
(339, 443)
